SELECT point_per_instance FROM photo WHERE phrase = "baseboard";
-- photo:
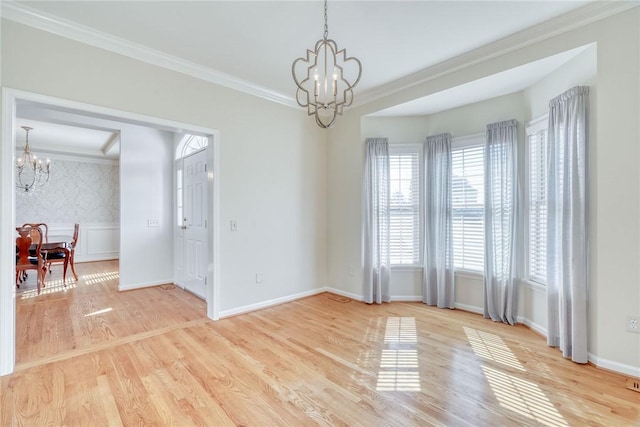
(343, 293)
(469, 308)
(396, 298)
(270, 303)
(406, 298)
(535, 327)
(122, 288)
(609, 365)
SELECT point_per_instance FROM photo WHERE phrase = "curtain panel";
(567, 236)
(375, 221)
(502, 249)
(437, 279)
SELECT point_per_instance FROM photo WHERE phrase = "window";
(404, 172)
(190, 144)
(179, 198)
(468, 203)
(537, 201)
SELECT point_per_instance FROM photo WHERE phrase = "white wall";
(615, 209)
(146, 174)
(273, 161)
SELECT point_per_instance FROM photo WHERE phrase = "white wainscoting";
(96, 241)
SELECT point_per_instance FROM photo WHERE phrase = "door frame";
(10, 99)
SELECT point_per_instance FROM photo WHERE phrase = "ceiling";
(56, 131)
(54, 138)
(253, 43)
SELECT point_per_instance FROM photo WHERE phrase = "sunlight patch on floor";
(52, 287)
(492, 347)
(94, 278)
(57, 285)
(399, 366)
(523, 397)
(399, 359)
(95, 313)
(400, 330)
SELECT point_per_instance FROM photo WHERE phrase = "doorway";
(11, 98)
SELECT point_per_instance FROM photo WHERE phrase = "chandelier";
(31, 173)
(325, 86)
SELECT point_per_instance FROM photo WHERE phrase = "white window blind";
(468, 206)
(404, 173)
(537, 202)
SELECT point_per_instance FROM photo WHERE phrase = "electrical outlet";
(632, 324)
(259, 278)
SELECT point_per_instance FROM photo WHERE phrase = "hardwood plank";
(93, 356)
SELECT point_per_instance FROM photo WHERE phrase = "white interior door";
(194, 223)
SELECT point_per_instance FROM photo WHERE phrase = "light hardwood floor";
(93, 356)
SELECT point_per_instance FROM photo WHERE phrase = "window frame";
(459, 143)
(534, 126)
(412, 148)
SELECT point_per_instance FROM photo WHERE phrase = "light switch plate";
(153, 222)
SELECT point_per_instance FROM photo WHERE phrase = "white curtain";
(567, 238)
(375, 221)
(437, 279)
(501, 250)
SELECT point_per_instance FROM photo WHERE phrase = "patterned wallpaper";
(77, 191)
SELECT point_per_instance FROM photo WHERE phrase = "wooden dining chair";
(64, 255)
(44, 229)
(24, 260)
(35, 238)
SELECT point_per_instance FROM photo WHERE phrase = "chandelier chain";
(26, 141)
(326, 26)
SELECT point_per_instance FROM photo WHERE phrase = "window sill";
(469, 274)
(536, 287)
(406, 267)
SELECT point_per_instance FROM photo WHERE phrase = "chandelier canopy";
(31, 172)
(325, 79)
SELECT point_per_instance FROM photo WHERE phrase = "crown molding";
(26, 15)
(592, 12)
(585, 15)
